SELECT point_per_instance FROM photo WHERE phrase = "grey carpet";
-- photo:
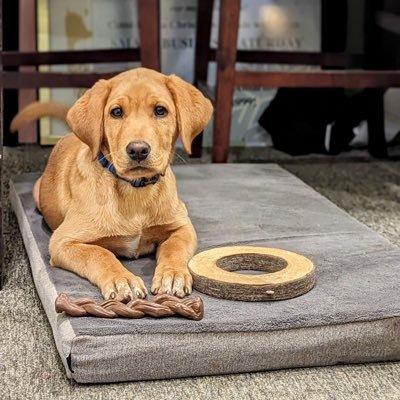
(30, 366)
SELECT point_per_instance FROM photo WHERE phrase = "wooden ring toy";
(288, 274)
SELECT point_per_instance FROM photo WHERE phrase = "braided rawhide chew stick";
(163, 305)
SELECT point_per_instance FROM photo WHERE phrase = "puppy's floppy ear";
(85, 117)
(192, 108)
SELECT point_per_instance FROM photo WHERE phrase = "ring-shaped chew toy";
(287, 274)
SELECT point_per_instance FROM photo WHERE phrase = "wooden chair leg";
(149, 30)
(203, 34)
(197, 146)
(226, 58)
(27, 42)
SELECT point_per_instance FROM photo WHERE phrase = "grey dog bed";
(351, 316)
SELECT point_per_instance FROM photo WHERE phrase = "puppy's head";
(136, 117)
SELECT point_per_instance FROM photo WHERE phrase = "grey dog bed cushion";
(352, 315)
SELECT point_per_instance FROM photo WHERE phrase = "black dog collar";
(137, 183)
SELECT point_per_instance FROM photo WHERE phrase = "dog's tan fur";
(96, 216)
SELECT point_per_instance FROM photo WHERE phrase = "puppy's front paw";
(123, 287)
(177, 282)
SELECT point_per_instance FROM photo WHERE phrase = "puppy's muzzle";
(138, 151)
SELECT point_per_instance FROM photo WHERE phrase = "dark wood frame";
(228, 78)
(149, 38)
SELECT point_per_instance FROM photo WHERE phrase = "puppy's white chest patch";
(132, 247)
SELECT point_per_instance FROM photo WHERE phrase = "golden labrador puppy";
(108, 189)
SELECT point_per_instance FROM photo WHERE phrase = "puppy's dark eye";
(160, 111)
(117, 112)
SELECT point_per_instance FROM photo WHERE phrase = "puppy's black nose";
(138, 151)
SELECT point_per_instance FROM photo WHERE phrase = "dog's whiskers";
(182, 159)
